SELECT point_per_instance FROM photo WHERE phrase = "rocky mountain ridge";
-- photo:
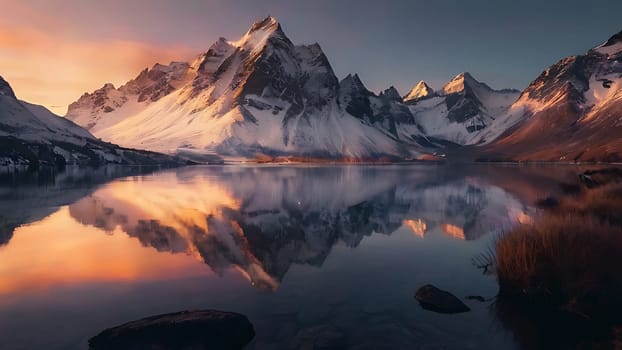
(31, 135)
(262, 97)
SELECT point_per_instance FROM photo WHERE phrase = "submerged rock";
(437, 300)
(207, 329)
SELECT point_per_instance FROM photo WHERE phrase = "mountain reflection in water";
(262, 220)
(273, 242)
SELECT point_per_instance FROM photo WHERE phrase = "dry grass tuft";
(570, 258)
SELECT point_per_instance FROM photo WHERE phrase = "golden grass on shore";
(570, 258)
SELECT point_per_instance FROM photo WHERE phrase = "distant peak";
(459, 83)
(463, 76)
(108, 86)
(391, 89)
(422, 83)
(421, 90)
(617, 38)
(353, 79)
(266, 24)
(353, 83)
(5, 88)
(391, 94)
(267, 30)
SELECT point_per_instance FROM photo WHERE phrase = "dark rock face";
(437, 300)
(300, 76)
(320, 85)
(354, 97)
(5, 88)
(208, 329)
(385, 111)
(391, 94)
(464, 105)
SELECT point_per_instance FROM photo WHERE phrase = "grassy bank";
(569, 259)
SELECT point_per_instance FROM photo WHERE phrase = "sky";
(54, 51)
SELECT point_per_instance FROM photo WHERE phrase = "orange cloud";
(54, 67)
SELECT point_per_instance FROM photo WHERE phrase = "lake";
(308, 253)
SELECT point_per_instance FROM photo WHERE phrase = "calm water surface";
(302, 251)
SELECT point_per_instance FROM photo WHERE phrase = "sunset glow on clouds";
(47, 62)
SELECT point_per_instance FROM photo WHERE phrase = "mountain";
(385, 112)
(420, 91)
(260, 96)
(31, 135)
(571, 112)
(460, 111)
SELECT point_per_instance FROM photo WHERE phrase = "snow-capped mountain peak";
(5, 88)
(391, 94)
(420, 91)
(461, 110)
(260, 32)
(352, 84)
(267, 24)
(256, 97)
(460, 83)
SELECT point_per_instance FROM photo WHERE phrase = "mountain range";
(32, 135)
(264, 98)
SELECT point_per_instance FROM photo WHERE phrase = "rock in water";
(437, 300)
(207, 329)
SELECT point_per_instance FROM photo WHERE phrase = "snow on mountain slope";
(420, 91)
(572, 111)
(386, 112)
(31, 134)
(258, 96)
(35, 123)
(108, 105)
(461, 110)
